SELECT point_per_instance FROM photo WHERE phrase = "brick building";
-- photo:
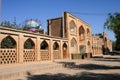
(68, 38)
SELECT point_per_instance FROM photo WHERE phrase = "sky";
(94, 12)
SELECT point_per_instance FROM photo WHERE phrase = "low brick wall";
(81, 56)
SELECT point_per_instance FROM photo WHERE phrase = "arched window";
(73, 46)
(88, 33)
(44, 45)
(64, 50)
(29, 44)
(55, 46)
(64, 46)
(8, 42)
(89, 48)
(81, 33)
(72, 27)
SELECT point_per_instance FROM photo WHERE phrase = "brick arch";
(6, 41)
(89, 48)
(44, 45)
(55, 46)
(2, 37)
(44, 50)
(65, 49)
(56, 50)
(73, 27)
(88, 32)
(73, 45)
(65, 45)
(81, 33)
(30, 43)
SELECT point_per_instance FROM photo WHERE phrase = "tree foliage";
(6, 24)
(28, 44)
(113, 23)
(8, 42)
(22, 26)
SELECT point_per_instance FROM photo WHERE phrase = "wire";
(91, 14)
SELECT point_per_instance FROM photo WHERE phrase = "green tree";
(15, 25)
(113, 23)
(25, 27)
(28, 44)
(8, 42)
(6, 24)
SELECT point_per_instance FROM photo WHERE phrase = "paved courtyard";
(107, 68)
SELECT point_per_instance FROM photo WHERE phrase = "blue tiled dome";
(32, 24)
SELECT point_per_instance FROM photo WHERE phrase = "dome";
(32, 23)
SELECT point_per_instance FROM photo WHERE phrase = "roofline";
(78, 18)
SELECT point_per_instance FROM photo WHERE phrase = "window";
(81, 33)
(72, 27)
(73, 46)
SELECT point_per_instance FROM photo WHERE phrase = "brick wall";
(55, 27)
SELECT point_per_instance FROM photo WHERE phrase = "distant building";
(101, 44)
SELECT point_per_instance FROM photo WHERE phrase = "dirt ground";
(106, 68)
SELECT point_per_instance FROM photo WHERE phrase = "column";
(38, 48)
(61, 49)
(51, 49)
(20, 48)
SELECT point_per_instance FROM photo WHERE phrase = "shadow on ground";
(93, 67)
(81, 76)
(108, 59)
(72, 65)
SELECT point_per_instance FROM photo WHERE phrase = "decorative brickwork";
(56, 54)
(69, 38)
(8, 56)
(44, 55)
(29, 55)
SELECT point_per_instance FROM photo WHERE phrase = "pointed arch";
(44, 45)
(73, 46)
(81, 33)
(88, 33)
(64, 50)
(55, 46)
(29, 44)
(72, 27)
(89, 46)
(8, 42)
(64, 46)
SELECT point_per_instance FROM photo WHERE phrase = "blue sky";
(46, 9)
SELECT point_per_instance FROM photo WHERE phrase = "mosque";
(68, 37)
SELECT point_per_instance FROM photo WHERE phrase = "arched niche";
(64, 50)
(73, 46)
(88, 32)
(72, 27)
(8, 42)
(29, 44)
(81, 33)
(55, 46)
(89, 48)
(44, 45)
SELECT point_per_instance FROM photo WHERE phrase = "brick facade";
(68, 38)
